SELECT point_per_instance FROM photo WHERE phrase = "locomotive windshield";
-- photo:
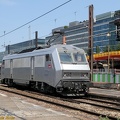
(65, 57)
(72, 57)
(79, 57)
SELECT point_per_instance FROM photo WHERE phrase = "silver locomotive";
(60, 68)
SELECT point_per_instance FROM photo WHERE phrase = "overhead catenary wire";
(36, 18)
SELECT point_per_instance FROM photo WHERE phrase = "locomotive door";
(32, 67)
(2, 70)
(49, 70)
(11, 68)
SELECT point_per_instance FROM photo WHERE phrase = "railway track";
(77, 105)
(114, 102)
(105, 97)
(111, 106)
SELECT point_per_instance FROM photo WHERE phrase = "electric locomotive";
(60, 68)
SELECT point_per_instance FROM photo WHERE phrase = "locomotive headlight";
(66, 74)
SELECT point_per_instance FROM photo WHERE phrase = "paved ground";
(14, 108)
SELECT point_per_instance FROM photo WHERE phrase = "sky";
(15, 13)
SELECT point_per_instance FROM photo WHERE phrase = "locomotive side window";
(39, 61)
(21, 62)
(48, 58)
(7, 64)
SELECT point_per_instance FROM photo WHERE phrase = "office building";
(104, 32)
(76, 34)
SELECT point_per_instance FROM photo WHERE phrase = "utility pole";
(8, 49)
(36, 39)
(29, 32)
(90, 45)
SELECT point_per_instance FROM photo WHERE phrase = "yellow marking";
(7, 118)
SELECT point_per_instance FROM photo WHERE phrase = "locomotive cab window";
(48, 58)
(79, 57)
(68, 57)
(65, 57)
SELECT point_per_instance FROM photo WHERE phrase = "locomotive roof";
(43, 51)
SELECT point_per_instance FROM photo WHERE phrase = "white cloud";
(7, 2)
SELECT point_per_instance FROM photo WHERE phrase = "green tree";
(65, 27)
(97, 49)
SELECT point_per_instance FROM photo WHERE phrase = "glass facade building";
(104, 31)
(16, 48)
(113, 29)
(76, 34)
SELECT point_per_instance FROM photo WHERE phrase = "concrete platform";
(113, 93)
(105, 85)
(14, 108)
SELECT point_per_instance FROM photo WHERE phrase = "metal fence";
(106, 77)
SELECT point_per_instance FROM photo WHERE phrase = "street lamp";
(108, 34)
